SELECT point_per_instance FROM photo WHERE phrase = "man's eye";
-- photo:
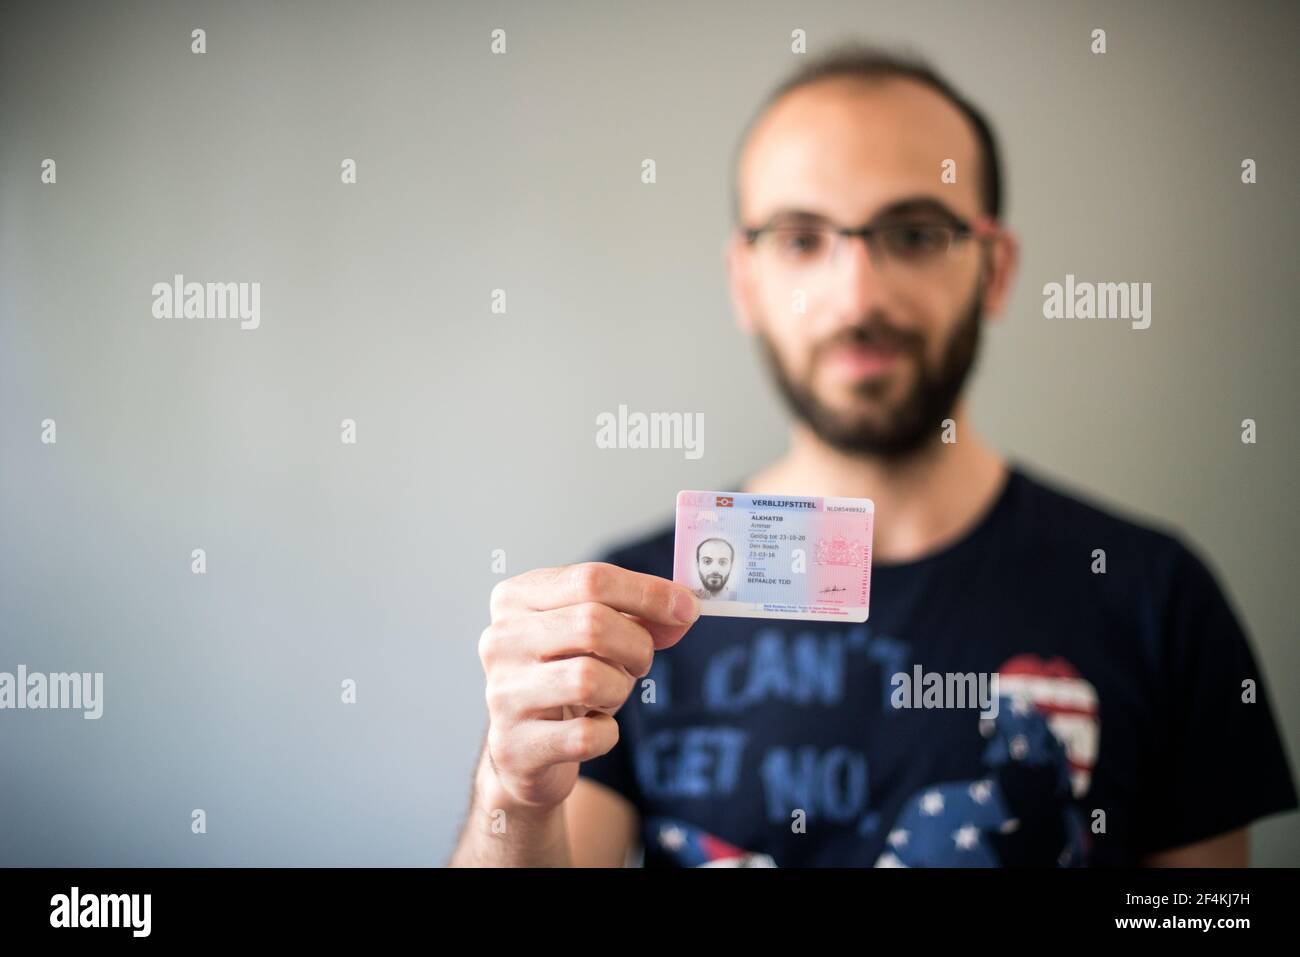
(798, 243)
(916, 240)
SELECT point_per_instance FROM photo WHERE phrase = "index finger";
(648, 597)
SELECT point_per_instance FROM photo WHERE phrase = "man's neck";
(924, 502)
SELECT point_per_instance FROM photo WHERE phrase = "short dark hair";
(857, 61)
(714, 539)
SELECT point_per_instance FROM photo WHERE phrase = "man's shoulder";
(1055, 507)
(1055, 518)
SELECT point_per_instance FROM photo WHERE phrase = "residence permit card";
(775, 556)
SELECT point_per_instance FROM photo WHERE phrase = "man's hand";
(565, 647)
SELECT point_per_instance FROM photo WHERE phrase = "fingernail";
(685, 608)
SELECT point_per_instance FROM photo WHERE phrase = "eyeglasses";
(905, 247)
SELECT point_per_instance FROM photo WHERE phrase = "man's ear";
(736, 253)
(1002, 263)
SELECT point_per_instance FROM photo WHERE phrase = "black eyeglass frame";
(983, 228)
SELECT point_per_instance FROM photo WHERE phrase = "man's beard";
(714, 582)
(916, 419)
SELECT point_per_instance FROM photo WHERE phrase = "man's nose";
(857, 283)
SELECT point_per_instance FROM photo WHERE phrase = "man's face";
(871, 355)
(714, 562)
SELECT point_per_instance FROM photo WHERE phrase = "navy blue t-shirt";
(1125, 724)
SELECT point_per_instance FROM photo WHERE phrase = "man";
(713, 558)
(1126, 733)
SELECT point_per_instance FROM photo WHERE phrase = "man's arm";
(501, 833)
(602, 825)
(1227, 850)
(1215, 712)
(594, 827)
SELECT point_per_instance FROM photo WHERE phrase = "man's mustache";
(874, 332)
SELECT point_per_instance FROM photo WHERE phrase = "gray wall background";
(476, 432)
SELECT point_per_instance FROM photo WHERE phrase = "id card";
(775, 556)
